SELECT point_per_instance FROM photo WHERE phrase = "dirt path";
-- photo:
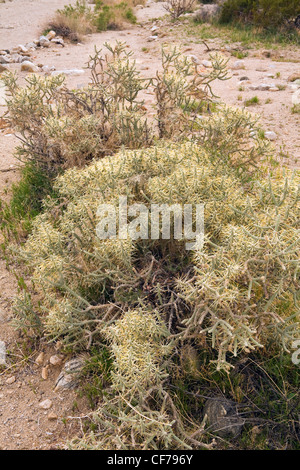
(23, 424)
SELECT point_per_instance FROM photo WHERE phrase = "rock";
(10, 380)
(40, 359)
(52, 417)
(22, 48)
(206, 13)
(16, 58)
(274, 89)
(73, 72)
(48, 69)
(58, 41)
(207, 63)
(45, 372)
(154, 28)
(68, 378)
(44, 41)
(294, 77)
(31, 45)
(2, 354)
(55, 360)
(296, 98)
(152, 38)
(270, 135)
(238, 65)
(3, 68)
(45, 404)
(4, 59)
(222, 417)
(28, 66)
(243, 78)
(2, 90)
(51, 35)
(195, 59)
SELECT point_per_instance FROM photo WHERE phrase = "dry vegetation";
(169, 326)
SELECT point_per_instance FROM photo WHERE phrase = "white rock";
(2, 354)
(51, 35)
(152, 38)
(154, 28)
(4, 59)
(2, 90)
(270, 135)
(207, 63)
(22, 48)
(45, 404)
(3, 68)
(296, 98)
(238, 65)
(55, 360)
(73, 72)
(44, 42)
(28, 66)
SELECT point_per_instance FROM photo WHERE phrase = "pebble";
(45, 372)
(51, 35)
(152, 38)
(3, 68)
(270, 135)
(73, 72)
(207, 63)
(2, 354)
(238, 65)
(55, 360)
(27, 66)
(44, 41)
(10, 380)
(45, 404)
(294, 77)
(40, 359)
(52, 417)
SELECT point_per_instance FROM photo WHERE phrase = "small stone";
(52, 417)
(45, 372)
(40, 359)
(73, 72)
(10, 380)
(207, 63)
(154, 28)
(27, 66)
(45, 404)
(152, 38)
(4, 59)
(51, 35)
(274, 89)
(294, 77)
(22, 48)
(3, 68)
(44, 41)
(238, 65)
(58, 41)
(243, 78)
(222, 417)
(68, 378)
(270, 135)
(2, 354)
(55, 360)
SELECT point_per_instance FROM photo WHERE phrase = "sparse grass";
(296, 109)
(246, 35)
(252, 101)
(73, 22)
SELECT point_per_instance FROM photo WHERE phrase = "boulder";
(222, 417)
(28, 66)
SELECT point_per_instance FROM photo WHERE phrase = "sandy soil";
(23, 425)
